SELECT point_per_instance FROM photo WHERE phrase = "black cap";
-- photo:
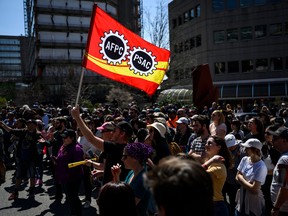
(280, 132)
(69, 133)
(126, 127)
(33, 121)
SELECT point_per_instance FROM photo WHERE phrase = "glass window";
(180, 20)
(229, 91)
(246, 3)
(260, 31)
(276, 64)
(192, 43)
(218, 5)
(198, 11)
(186, 45)
(261, 64)
(232, 35)
(245, 90)
(246, 33)
(186, 16)
(219, 67)
(260, 2)
(286, 63)
(174, 23)
(260, 90)
(275, 29)
(233, 67)
(277, 89)
(231, 4)
(192, 13)
(247, 66)
(286, 28)
(198, 40)
(219, 36)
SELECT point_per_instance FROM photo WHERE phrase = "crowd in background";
(125, 149)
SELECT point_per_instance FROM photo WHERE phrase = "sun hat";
(159, 127)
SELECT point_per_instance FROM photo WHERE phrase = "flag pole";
(80, 85)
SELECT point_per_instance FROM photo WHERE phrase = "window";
(192, 13)
(246, 33)
(192, 43)
(174, 23)
(198, 40)
(286, 28)
(219, 67)
(180, 20)
(275, 29)
(276, 64)
(277, 89)
(232, 35)
(247, 66)
(286, 63)
(260, 31)
(229, 91)
(218, 5)
(186, 16)
(186, 45)
(260, 90)
(246, 3)
(231, 4)
(261, 64)
(233, 67)
(198, 11)
(219, 36)
(245, 90)
(260, 2)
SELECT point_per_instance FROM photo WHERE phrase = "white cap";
(230, 140)
(255, 143)
(159, 127)
(182, 120)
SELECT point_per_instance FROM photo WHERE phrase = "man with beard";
(200, 125)
(56, 142)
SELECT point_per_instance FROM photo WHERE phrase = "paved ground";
(39, 206)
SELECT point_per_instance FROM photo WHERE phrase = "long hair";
(224, 151)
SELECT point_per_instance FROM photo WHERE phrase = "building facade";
(57, 32)
(245, 43)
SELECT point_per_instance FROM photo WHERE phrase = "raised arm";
(95, 141)
(5, 127)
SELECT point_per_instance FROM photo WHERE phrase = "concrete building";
(245, 43)
(57, 32)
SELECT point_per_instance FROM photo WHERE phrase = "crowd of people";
(152, 160)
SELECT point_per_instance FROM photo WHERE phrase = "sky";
(12, 15)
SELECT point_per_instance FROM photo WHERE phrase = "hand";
(116, 171)
(75, 112)
(88, 162)
(217, 159)
(150, 163)
(97, 173)
(274, 212)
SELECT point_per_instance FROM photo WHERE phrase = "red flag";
(119, 54)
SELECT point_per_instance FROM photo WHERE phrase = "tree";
(157, 26)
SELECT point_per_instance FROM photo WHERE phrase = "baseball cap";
(159, 127)
(280, 132)
(255, 143)
(106, 126)
(230, 140)
(182, 120)
(69, 133)
(125, 126)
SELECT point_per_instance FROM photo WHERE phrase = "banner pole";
(80, 85)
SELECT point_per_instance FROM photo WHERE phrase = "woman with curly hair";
(135, 156)
(218, 160)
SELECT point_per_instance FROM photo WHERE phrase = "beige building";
(245, 43)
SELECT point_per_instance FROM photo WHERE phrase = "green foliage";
(88, 104)
(3, 102)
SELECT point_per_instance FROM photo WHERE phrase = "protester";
(70, 178)
(251, 175)
(279, 190)
(181, 187)
(116, 199)
(135, 156)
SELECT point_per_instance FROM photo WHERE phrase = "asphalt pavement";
(41, 204)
